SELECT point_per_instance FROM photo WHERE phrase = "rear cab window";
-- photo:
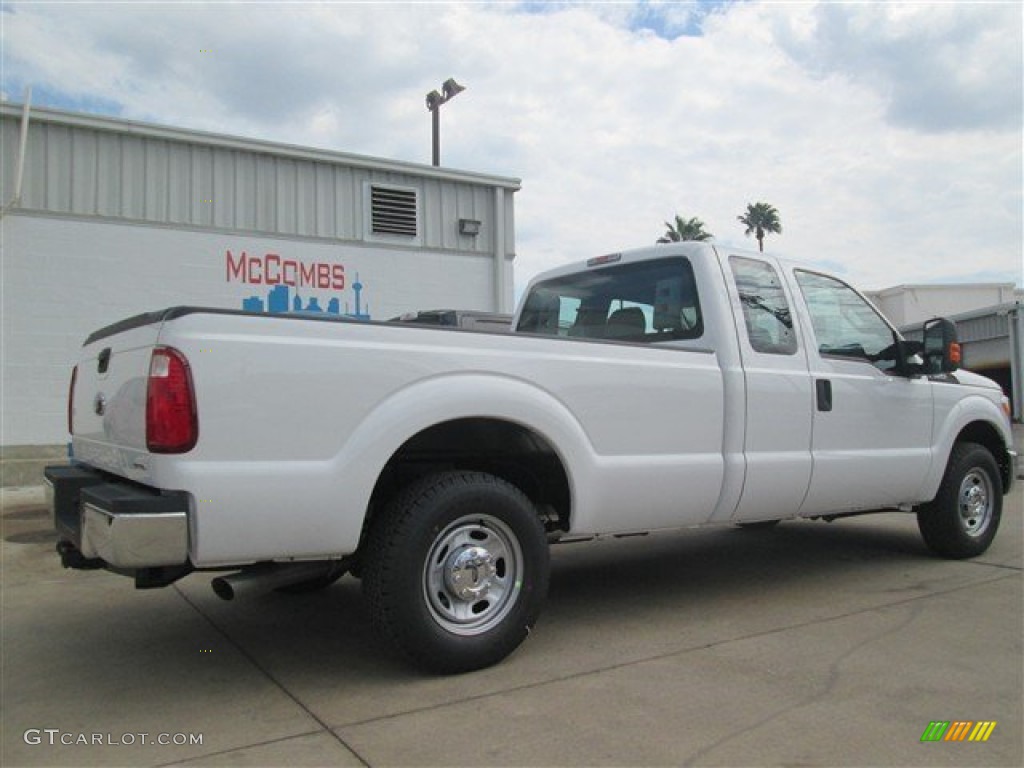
(641, 302)
(766, 312)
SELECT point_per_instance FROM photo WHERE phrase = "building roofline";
(996, 309)
(937, 286)
(227, 141)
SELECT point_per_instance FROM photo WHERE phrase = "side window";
(845, 325)
(765, 309)
(644, 302)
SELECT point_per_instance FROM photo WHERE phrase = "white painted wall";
(64, 278)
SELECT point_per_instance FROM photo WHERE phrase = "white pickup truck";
(667, 387)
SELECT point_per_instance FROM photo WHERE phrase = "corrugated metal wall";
(128, 175)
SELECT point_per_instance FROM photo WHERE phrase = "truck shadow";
(610, 602)
(610, 585)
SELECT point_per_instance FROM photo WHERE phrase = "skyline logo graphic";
(958, 730)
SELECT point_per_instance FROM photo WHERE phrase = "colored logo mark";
(958, 730)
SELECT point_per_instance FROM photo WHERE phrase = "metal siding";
(430, 214)
(266, 194)
(348, 189)
(58, 170)
(510, 226)
(982, 328)
(449, 223)
(133, 177)
(83, 172)
(245, 191)
(286, 181)
(223, 180)
(86, 170)
(326, 219)
(202, 186)
(305, 198)
(10, 138)
(155, 196)
(108, 175)
(179, 184)
(33, 191)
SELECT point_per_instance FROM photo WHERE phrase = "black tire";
(963, 518)
(456, 571)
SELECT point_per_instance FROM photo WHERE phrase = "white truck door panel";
(872, 448)
(778, 393)
(872, 431)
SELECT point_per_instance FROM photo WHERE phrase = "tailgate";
(109, 400)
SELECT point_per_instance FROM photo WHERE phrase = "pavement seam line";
(270, 676)
(830, 683)
(668, 655)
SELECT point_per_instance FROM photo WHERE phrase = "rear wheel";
(456, 571)
(963, 518)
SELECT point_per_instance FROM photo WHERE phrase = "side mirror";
(941, 346)
(907, 361)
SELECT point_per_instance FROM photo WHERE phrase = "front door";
(872, 428)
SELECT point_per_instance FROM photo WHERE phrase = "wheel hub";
(472, 574)
(469, 573)
(975, 505)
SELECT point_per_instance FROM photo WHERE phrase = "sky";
(887, 135)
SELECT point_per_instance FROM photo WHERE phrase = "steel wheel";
(473, 575)
(975, 497)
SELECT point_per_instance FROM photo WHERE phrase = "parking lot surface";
(809, 644)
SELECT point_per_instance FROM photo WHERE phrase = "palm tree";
(684, 230)
(761, 219)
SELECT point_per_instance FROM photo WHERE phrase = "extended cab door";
(872, 428)
(777, 439)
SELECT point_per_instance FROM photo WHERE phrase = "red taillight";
(172, 425)
(71, 401)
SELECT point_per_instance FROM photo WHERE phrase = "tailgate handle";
(104, 360)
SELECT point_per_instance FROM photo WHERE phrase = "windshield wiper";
(782, 315)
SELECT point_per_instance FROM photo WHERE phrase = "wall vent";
(393, 211)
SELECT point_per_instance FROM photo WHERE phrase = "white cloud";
(888, 136)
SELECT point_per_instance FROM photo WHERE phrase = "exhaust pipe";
(270, 576)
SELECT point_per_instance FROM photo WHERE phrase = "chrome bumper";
(134, 540)
(116, 524)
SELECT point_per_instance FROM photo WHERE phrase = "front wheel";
(963, 518)
(456, 571)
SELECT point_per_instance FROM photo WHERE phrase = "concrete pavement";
(810, 644)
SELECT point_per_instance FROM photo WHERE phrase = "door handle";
(823, 387)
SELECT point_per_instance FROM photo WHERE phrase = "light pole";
(449, 89)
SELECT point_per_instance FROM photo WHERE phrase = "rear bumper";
(101, 521)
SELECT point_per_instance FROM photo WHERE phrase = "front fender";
(973, 409)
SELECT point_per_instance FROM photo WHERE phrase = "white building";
(104, 218)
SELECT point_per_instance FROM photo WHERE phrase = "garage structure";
(105, 218)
